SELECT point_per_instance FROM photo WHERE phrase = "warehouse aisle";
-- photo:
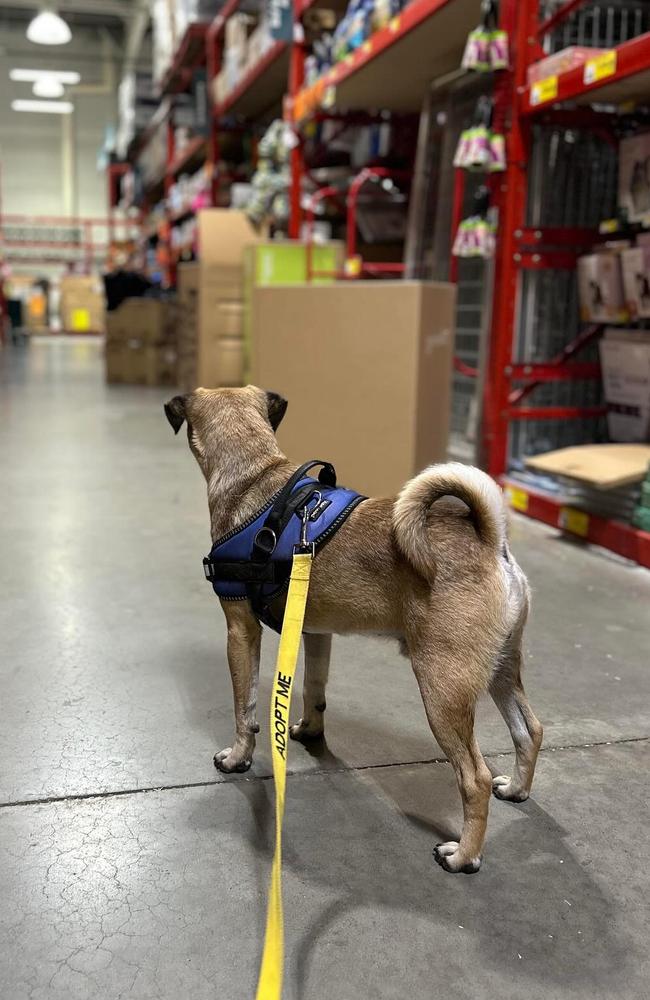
(131, 869)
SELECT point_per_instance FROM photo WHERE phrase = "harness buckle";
(305, 545)
(207, 569)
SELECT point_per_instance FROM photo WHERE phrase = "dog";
(431, 568)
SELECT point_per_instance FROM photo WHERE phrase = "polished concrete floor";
(129, 868)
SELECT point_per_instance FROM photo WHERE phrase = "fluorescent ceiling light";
(47, 28)
(51, 107)
(32, 75)
(48, 86)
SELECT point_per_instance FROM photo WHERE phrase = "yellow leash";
(269, 986)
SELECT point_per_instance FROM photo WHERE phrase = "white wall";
(48, 162)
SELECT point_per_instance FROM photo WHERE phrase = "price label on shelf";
(328, 99)
(353, 266)
(394, 24)
(575, 521)
(543, 91)
(600, 67)
(366, 48)
(518, 499)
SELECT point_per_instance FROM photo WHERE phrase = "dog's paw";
(305, 732)
(231, 763)
(448, 857)
(504, 788)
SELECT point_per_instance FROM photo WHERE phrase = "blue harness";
(253, 562)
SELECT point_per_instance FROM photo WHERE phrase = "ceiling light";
(48, 86)
(47, 28)
(67, 76)
(50, 107)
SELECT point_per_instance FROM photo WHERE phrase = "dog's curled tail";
(475, 488)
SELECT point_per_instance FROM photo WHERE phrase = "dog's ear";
(277, 407)
(175, 412)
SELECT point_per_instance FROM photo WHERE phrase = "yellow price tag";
(543, 91)
(575, 521)
(600, 67)
(353, 267)
(608, 226)
(366, 48)
(394, 24)
(518, 499)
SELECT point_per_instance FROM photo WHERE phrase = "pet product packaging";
(600, 288)
(636, 281)
(625, 360)
(634, 177)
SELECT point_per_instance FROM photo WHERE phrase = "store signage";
(280, 14)
(543, 91)
(600, 67)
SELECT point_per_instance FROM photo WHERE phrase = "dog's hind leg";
(449, 699)
(525, 728)
(244, 643)
(318, 649)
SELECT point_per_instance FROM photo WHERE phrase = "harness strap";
(275, 517)
(245, 571)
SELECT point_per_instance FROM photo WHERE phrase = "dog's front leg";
(244, 641)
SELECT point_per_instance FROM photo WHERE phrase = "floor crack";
(116, 793)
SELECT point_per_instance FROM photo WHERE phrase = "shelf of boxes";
(261, 87)
(616, 76)
(188, 57)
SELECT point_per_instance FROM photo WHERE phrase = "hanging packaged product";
(479, 148)
(476, 236)
(487, 46)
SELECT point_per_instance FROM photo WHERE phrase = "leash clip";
(305, 545)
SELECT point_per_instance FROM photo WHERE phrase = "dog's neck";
(239, 489)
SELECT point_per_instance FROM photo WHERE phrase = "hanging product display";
(476, 236)
(479, 148)
(270, 182)
(487, 45)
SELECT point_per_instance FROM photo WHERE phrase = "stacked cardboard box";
(141, 343)
(210, 302)
(82, 304)
(366, 367)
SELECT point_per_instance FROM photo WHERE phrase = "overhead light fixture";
(66, 76)
(47, 28)
(48, 86)
(49, 107)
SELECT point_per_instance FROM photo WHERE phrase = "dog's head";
(227, 424)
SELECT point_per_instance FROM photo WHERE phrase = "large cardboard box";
(625, 359)
(284, 262)
(146, 364)
(366, 368)
(223, 234)
(210, 310)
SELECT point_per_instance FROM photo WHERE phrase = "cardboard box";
(625, 360)
(222, 235)
(114, 358)
(600, 288)
(636, 281)
(284, 262)
(634, 177)
(146, 364)
(366, 367)
(210, 304)
(150, 320)
(81, 306)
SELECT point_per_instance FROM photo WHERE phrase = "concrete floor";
(129, 868)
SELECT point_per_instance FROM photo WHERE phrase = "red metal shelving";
(189, 56)
(616, 77)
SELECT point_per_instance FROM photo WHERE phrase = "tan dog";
(438, 576)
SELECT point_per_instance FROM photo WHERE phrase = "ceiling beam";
(125, 9)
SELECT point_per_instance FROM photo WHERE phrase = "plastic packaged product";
(497, 153)
(499, 50)
(477, 50)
